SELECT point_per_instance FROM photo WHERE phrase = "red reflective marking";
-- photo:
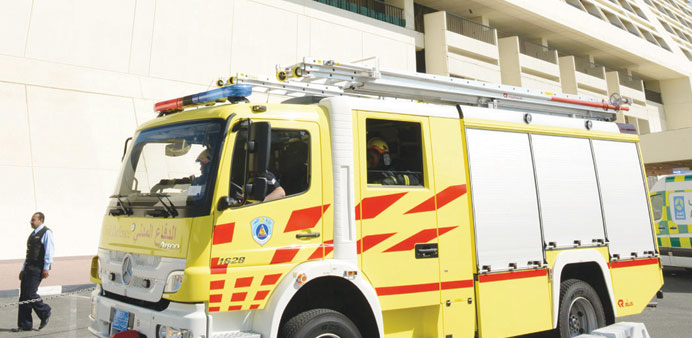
(512, 275)
(373, 206)
(235, 307)
(423, 236)
(217, 269)
(636, 262)
(305, 218)
(254, 306)
(243, 282)
(443, 198)
(284, 255)
(238, 297)
(459, 284)
(270, 279)
(403, 289)
(223, 233)
(261, 295)
(370, 241)
(215, 298)
(327, 246)
(214, 309)
(215, 285)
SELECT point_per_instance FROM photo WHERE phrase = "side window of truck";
(657, 206)
(394, 153)
(289, 162)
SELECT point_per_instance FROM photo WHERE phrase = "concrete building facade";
(78, 76)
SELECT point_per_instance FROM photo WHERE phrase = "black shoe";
(20, 329)
(44, 322)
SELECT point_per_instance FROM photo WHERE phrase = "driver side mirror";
(258, 150)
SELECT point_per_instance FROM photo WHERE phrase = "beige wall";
(77, 77)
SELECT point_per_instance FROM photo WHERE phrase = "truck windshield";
(170, 171)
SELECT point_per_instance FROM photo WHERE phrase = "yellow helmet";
(378, 144)
(204, 156)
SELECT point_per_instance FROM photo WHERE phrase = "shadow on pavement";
(677, 280)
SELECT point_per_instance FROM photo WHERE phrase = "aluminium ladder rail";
(331, 78)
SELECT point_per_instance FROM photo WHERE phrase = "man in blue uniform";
(39, 257)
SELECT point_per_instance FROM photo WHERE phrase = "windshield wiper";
(121, 208)
(170, 207)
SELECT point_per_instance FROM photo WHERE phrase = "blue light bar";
(238, 90)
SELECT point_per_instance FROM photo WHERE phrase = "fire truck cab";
(397, 219)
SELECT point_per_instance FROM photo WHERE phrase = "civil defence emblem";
(262, 229)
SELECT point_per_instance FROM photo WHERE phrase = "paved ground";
(69, 319)
(672, 318)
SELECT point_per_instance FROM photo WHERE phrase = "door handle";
(308, 235)
(426, 251)
(661, 228)
(673, 228)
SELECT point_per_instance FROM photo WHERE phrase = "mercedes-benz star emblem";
(127, 270)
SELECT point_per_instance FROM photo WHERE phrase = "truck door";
(398, 246)
(256, 244)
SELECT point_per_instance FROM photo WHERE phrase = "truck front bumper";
(191, 317)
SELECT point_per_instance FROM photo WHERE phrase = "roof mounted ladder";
(332, 78)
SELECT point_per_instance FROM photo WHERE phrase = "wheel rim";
(582, 317)
(328, 335)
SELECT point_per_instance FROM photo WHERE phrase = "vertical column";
(436, 43)
(613, 83)
(568, 76)
(677, 102)
(510, 66)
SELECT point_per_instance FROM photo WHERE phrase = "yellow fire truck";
(376, 203)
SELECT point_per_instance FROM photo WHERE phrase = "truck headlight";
(172, 332)
(174, 281)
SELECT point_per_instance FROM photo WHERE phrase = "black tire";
(581, 310)
(319, 323)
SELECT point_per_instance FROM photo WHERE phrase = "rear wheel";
(319, 323)
(581, 310)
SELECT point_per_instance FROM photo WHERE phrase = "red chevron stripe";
(261, 295)
(284, 255)
(371, 207)
(254, 306)
(270, 279)
(235, 307)
(216, 285)
(243, 282)
(443, 198)
(215, 298)
(214, 309)
(305, 218)
(372, 240)
(325, 247)
(422, 236)
(511, 275)
(223, 233)
(636, 262)
(238, 297)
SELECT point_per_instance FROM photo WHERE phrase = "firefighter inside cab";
(389, 165)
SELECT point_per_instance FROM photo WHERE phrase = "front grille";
(158, 306)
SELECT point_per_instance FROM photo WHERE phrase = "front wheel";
(581, 310)
(320, 323)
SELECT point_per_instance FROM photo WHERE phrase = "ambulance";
(671, 199)
(375, 203)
